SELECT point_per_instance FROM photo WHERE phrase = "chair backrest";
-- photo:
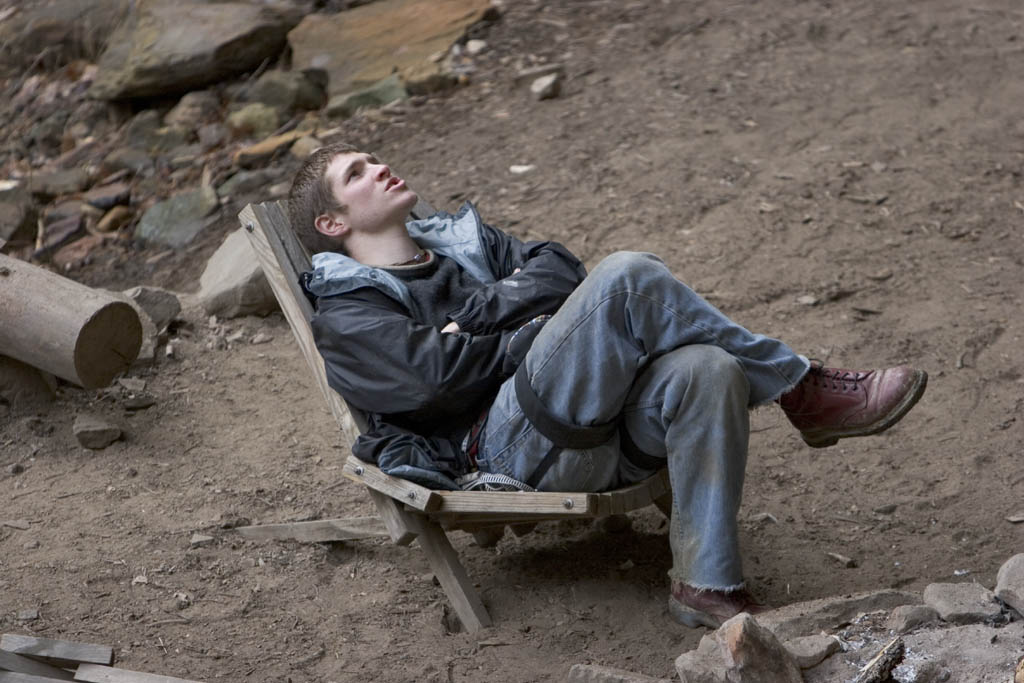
(284, 259)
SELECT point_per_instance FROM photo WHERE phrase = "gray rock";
(48, 133)
(1010, 583)
(827, 614)
(212, 135)
(194, 109)
(91, 117)
(961, 603)
(160, 305)
(592, 673)
(741, 651)
(17, 212)
(962, 653)
(547, 87)
(753, 654)
(28, 614)
(233, 283)
(94, 432)
(199, 540)
(58, 231)
(287, 91)
(127, 158)
(384, 91)
(77, 28)
(810, 651)
(23, 387)
(108, 196)
(245, 182)
(703, 665)
(908, 617)
(168, 48)
(176, 221)
(46, 186)
(254, 120)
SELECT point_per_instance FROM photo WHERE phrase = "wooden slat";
(14, 677)
(266, 226)
(514, 504)
(395, 519)
(451, 574)
(317, 531)
(24, 665)
(67, 653)
(94, 673)
(413, 495)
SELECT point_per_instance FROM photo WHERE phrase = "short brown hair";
(311, 196)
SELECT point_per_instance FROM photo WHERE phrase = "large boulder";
(166, 48)
(361, 46)
(69, 29)
(233, 283)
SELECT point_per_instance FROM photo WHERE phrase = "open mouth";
(393, 182)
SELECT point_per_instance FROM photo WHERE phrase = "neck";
(383, 248)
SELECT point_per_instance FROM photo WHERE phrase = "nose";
(382, 171)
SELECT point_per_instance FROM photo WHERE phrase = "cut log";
(67, 329)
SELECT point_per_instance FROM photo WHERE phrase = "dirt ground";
(845, 176)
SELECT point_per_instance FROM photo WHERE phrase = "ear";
(330, 225)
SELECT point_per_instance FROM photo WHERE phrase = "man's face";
(373, 197)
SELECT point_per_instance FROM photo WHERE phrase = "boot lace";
(837, 379)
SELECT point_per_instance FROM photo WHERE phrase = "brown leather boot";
(695, 607)
(832, 403)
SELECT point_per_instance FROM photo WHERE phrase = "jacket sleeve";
(383, 361)
(549, 273)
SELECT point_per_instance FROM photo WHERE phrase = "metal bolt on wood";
(359, 471)
(567, 503)
(249, 227)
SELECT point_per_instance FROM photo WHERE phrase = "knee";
(717, 372)
(629, 265)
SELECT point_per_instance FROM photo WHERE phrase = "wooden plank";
(66, 653)
(413, 495)
(317, 531)
(14, 677)
(94, 673)
(451, 575)
(266, 226)
(395, 519)
(10, 661)
(513, 503)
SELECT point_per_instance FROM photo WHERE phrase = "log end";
(107, 345)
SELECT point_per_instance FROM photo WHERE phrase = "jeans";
(634, 342)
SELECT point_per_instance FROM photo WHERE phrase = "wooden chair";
(410, 511)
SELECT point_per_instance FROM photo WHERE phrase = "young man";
(480, 358)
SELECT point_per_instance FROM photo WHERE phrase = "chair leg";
(664, 504)
(395, 519)
(450, 573)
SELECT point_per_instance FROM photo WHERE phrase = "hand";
(452, 327)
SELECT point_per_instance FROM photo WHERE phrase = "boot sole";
(687, 616)
(831, 438)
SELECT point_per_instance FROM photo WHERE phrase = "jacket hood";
(456, 236)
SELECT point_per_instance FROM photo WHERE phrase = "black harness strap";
(564, 434)
(545, 464)
(637, 456)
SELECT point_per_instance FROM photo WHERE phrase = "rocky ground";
(845, 177)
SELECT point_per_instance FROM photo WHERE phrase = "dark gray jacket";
(423, 389)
